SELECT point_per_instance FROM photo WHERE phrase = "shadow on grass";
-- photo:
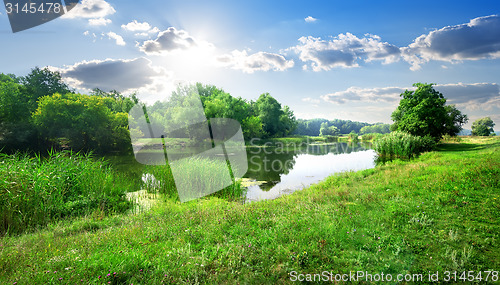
(460, 147)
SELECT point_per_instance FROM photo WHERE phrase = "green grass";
(35, 191)
(437, 212)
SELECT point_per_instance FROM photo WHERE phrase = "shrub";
(403, 145)
(353, 137)
(37, 190)
(371, 136)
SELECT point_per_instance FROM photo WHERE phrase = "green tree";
(16, 130)
(82, 122)
(269, 111)
(326, 130)
(423, 113)
(483, 127)
(455, 120)
(42, 82)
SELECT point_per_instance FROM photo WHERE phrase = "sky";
(324, 59)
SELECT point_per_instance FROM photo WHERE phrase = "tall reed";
(402, 145)
(195, 177)
(37, 190)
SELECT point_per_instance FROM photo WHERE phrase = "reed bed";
(194, 177)
(403, 145)
(37, 190)
(371, 136)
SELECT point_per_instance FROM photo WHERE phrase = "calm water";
(286, 172)
(274, 171)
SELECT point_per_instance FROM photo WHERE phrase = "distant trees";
(483, 127)
(423, 113)
(313, 127)
(326, 130)
(378, 128)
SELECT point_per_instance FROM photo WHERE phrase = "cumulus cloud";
(471, 96)
(94, 10)
(135, 26)
(478, 39)
(169, 41)
(143, 29)
(310, 19)
(117, 38)
(345, 50)
(380, 94)
(91, 9)
(99, 22)
(115, 74)
(260, 61)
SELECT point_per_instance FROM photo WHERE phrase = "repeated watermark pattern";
(221, 156)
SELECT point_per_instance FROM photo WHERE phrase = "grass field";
(438, 212)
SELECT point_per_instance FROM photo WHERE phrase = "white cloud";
(135, 26)
(99, 22)
(472, 96)
(260, 61)
(118, 39)
(379, 94)
(344, 51)
(310, 19)
(154, 30)
(116, 74)
(478, 39)
(171, 40)
(91, 9)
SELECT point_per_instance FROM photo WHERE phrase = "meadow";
(436, 212)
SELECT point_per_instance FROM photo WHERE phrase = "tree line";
(324, 127)
(39, 111)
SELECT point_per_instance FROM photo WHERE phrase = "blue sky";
(328, 59)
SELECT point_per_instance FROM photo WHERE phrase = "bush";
(371, 136)
(37, 190)
(353, 137)
(403, 145)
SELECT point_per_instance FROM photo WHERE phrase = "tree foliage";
(326, 130)
(423, 112)
(483, 127)
(85, 122)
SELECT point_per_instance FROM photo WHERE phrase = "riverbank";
(434, 213)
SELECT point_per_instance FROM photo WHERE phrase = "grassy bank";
(437, 212)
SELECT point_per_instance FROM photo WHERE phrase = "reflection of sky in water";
(309, 169)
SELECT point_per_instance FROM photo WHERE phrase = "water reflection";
(282, 169)
(288, 170)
